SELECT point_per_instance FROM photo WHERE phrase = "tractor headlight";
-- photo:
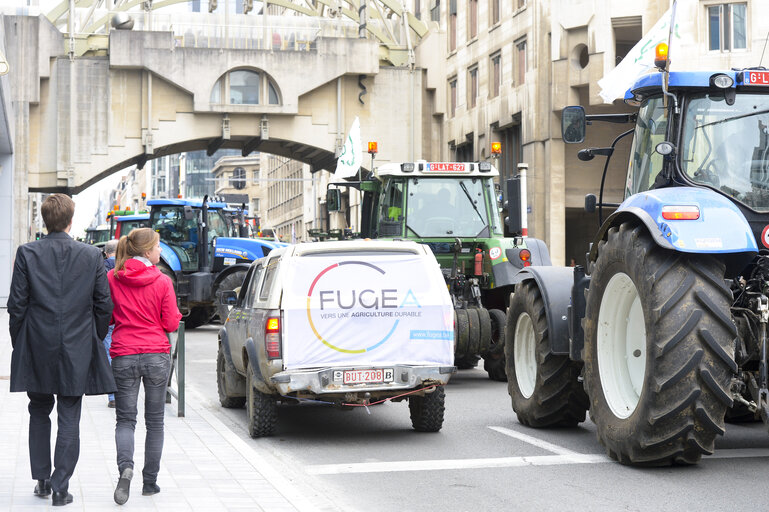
(722, 81)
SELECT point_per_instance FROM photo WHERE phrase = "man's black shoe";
(123, 486)
(43, 488)
(61, 498)
(150, 489)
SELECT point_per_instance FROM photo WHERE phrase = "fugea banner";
(362, 311)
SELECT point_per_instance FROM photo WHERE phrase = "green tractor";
(452, 207)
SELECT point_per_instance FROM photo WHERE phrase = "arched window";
(238, 180)
(245, 87)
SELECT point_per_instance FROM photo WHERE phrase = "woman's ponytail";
(137, 243)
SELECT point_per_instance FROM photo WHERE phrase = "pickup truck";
(348, 323)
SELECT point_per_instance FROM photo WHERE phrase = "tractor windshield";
(726, 147)
(180, 234)
(451, 207)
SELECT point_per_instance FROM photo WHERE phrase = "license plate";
(373, 376)
(756, 77)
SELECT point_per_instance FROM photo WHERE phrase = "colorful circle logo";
(324, 339)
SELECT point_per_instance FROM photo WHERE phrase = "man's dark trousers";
(67, 449)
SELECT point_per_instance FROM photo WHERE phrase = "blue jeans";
(129, 372)
(107, 345)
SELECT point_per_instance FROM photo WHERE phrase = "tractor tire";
(198, 316)
(494, 359)
(229, 402)
(463, 359)
(427, 411)
(231, 282)
(659, 350)
(261, 409)
(544, 388)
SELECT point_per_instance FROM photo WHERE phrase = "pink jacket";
(145, 310)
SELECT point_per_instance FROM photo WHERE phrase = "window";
(269, 277)
(453, 97)
(238, 179)
(472, 19)
(245, 87)
(256, 176)
(521, 3)
(520, 62)
(255, 207)
(727, 27)
(252, 285)
(391, 213)
(472, 89)
(494, 12)
(418, 9)
(452, 25)
(495, 75)
(435, 12)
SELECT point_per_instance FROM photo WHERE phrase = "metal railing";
(177, 363)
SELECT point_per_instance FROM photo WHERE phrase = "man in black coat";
(59, 308)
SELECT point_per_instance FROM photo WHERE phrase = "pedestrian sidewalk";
(205, 466)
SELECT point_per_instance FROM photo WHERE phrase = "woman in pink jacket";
(145, 311)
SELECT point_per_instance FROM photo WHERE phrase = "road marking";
(539, 443)
(432, 465)
(563, 456)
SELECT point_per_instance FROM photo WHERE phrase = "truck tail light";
(272, 337)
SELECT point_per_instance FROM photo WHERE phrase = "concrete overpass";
(91, 104)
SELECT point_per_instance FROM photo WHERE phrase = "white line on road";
(431, 465)
(539, 443)
(563, 456)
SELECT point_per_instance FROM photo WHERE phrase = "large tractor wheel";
(261, 409)
(230, 402)
(544, 387)
(659, 350)
(231, 282)
(427, 410)
(198, 316)
(463, 358)
(494, 359)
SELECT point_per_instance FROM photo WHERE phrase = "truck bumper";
(331, 380)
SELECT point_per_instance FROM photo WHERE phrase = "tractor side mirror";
(513, 221)
(333, 200)
(573, 124)
(188, 213)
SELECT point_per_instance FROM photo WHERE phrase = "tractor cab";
(122, 223)
(424, 200)
(98, 235)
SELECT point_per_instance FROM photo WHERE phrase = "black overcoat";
(59, 308)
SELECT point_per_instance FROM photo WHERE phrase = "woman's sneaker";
(123, 486)
(150, 489)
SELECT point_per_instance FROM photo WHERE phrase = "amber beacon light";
(661, 55)
(372, 148)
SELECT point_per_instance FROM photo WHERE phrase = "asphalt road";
(482, 459)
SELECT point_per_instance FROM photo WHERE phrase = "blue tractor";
(202, 254)
(663, 334)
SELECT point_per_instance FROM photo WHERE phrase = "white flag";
(637, 62)
(351, 157)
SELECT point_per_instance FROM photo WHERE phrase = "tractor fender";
(508, 273)
(169, 257)
(253, 367)
(554, 284)
(720, 229)
(234, 381)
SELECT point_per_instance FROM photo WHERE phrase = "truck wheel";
(198, 316)
(261, 409)
(659, 350)
(230, 402)
(232, 281)
(427, 410)
(544, 387)
(494, 360)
